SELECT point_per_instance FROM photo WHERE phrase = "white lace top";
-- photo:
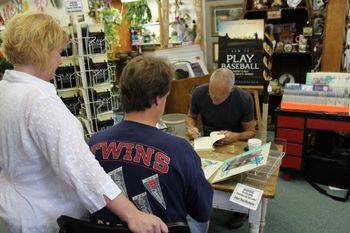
(47, 168)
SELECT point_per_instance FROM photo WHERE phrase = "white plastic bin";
(176, 123)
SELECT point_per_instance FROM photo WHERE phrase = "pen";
(193, 130)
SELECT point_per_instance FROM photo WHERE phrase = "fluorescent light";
(126, 1)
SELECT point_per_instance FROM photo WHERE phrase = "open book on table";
(207, 143)
(222, 170)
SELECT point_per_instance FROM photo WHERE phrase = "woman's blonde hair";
(30, 37)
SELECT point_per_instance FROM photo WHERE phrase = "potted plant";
(174, 37)
(138, 13)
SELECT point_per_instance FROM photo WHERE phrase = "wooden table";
(224, 189)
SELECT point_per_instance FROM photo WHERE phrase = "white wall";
(54, 7)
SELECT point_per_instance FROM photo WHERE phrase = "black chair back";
(72, 225)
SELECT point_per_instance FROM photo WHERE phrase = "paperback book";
(207, 143)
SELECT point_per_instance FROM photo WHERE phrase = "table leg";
(254, 219)
(263, 214)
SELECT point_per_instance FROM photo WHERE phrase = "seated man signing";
(159, 172)
(225, 108)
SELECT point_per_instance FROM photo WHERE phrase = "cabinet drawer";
(291, 162)
(294, 149)
(290, 122)
(291, 135)
(328, 125)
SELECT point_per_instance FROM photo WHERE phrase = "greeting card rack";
(85, 79)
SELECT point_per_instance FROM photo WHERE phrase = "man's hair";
(223, 75)
(144, 79)
(30, 37)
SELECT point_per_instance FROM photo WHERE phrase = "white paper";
(246, 196)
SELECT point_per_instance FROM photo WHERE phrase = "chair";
(72, 225)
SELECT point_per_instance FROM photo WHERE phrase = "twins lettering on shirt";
(133, 152)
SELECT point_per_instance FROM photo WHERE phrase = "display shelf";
(286, 25)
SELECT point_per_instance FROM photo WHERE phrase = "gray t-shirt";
(228, 115)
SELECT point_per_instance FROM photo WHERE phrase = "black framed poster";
(241, 50)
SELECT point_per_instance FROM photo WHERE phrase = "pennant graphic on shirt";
(152, 185)
(142, 203)
(118, 178)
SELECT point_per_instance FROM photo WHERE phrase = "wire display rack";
(85, 80)
(66, 77)
(258, 177)
(73, 104)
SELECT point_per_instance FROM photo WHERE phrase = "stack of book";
(316, 97)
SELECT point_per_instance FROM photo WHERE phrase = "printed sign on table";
(246, 196)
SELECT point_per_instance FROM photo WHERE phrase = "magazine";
(222, 170)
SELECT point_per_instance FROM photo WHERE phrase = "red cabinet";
(290, 130)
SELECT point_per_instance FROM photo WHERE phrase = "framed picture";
(224, 13)
(215, 52)
(318, 25)
(316, 5)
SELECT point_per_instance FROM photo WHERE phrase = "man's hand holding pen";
(193, 132)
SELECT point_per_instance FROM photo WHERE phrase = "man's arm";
(192, 125)
(248, 132)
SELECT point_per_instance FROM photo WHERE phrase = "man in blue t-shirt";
(159, 172)
(226, 108)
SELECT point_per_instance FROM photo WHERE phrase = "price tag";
(274, 14)
(246, 196)
(75, 6)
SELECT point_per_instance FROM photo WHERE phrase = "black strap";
(323, 191)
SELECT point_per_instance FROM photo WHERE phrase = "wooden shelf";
(292, 14)
(292, 53)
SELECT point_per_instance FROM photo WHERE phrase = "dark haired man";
(160, 173)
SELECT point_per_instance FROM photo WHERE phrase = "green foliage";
(92, 3)
(5, 65)
(111, 20)
(138, 13)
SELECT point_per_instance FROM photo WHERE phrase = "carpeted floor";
(297, 208)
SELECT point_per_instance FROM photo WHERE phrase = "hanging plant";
(4, 64)
(93, 5)
(138, 13)
(111, 20)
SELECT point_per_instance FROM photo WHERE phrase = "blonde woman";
(47, 168)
